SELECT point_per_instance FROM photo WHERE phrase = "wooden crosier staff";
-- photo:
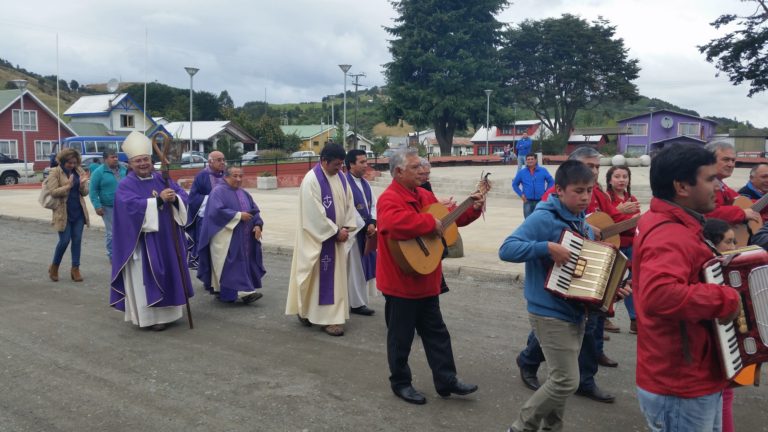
(163, 155)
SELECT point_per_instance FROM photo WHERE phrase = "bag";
(46, 199)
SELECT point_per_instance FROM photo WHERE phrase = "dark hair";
(332, 152)
(677, 162)
(531, 155)
(573, 172)
(67, 154)
(108, 152)
(352, 156)
(609, 174)
(715, 229)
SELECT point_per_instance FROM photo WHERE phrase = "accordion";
(591, 276)
(746, 342)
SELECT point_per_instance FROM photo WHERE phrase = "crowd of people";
(346, 251)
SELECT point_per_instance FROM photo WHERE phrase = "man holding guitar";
(725, 209)
(412, 297)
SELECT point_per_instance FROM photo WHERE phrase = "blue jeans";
(629, 302)
(528, 207)
(107, 217)
(72, 232)
(673, 414)
(532, 356)
(520, 161)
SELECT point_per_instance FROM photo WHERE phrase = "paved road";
(69, 362)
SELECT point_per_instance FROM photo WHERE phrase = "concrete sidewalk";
(481, 239)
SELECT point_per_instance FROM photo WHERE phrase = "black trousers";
(403, 316)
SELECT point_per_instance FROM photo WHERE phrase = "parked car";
(388, 153)
(369, 154)
(188, 160)
(11, 171)
(88, 161)
(7, 159)
(303, 154)
(250, 157)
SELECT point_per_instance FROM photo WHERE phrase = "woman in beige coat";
(68, 183)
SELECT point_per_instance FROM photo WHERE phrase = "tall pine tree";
(444, 55)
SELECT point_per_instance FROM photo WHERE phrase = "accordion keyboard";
(726, 333)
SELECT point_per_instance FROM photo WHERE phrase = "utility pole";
(357, 102)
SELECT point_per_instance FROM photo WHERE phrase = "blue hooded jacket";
(529, 244)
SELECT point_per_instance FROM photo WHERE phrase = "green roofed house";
(313, 137)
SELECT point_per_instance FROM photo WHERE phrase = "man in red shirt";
(725, 156)
(412, 300)
(679, 374)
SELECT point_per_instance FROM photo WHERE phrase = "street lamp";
(487, 119)
(22, 86)
(345, 68)
(191, 71)
(650, 125)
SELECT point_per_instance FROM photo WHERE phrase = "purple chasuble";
(363, 200)
(328, 249)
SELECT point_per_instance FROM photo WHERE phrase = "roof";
(95, 129)
(680, 138)
(669, 112)
(457, 141)
(307, 131)
(584, 138)
(206, 130)
(608, 130)
(9, 97)
(360, 137)
(97, 104)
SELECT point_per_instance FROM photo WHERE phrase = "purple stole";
(245, 206)
(363, 207)
(214, 178)
(328, 249)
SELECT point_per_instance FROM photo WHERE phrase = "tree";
(443, 57)
(380, 144)
(557, 66)
(74, 85)
(225, 102)
(742, 53)
(268, 131)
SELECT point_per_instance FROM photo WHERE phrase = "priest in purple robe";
(148, 284)
(205, 181)
(231, 262)
(361, 276)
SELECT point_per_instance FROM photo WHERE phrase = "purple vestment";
(328, 248)
(205, 181)
(160, 267)
(243, 267)
(363, 199)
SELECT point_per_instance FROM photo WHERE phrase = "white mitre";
(137, 144)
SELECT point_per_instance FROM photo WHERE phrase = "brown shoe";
(604, 360)
(633, 327)
(334, 330)
(53, 272)
(75, 273)
(611, 327)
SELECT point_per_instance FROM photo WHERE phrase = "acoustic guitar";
(609, 230)
(422, 255)
(744, 230)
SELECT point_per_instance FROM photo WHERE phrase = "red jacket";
(599, 202)
(399, 217)
(627, 236)
(668, 257)
(724, 208)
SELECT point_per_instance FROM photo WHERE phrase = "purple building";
(666, 127)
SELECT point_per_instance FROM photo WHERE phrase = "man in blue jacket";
(558, 323)
(104, 180)
(535, 180)
(524, 145)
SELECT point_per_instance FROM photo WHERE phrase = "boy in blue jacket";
(558, 323)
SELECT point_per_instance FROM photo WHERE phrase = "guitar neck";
(451, 217)
(619, 227)
(760, 204)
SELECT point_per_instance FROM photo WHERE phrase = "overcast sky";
(292, 48)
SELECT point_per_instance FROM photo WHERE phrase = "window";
(90, 147)
(638, 129)
(106, 145)
(316, 143)
(635, 150)
(43, 150)
(30, 120)
(126, 121)
(9, 148)
(688, 129)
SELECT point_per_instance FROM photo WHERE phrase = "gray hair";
(397, 160)
(754, 169)
(584, 153)
(229, 168)
(425, 163)
(714, 146)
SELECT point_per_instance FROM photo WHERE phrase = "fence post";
(275, 166)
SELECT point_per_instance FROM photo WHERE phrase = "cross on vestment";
(327, 201)
(326, 260)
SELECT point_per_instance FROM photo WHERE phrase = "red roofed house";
(40, 123)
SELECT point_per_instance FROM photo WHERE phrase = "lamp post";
(191, 71)
(22, 86)
(345, 68)
(650, 125)
(487, 119)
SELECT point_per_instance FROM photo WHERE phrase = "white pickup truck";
(12, 169)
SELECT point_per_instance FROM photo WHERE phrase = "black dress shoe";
(250, 298)
(410, 395)
(604, 360)
(362, 310)
(597, 395)
(304, 321)
(458, 388)
(528, 376)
